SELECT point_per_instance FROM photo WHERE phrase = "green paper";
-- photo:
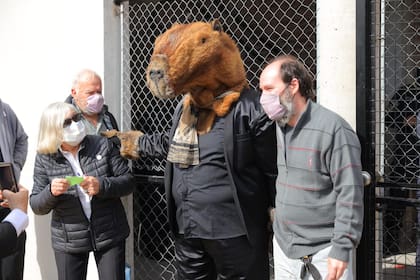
(74, 180)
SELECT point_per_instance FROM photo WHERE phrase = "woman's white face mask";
(74, 133)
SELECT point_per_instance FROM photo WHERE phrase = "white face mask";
(74, 133)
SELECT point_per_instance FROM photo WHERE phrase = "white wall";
(43, 44)
(336, 60)
(336, 57)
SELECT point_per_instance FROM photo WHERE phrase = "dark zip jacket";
(250, 152)
(71, 231)
(108, 119)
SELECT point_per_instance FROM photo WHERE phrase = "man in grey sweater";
(319, 202)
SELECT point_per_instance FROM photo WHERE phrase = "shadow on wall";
(44, 254)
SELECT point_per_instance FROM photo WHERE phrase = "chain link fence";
(396, 236)
(395, 49)
(262, 30)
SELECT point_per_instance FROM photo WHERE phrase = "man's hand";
(17, 200)
(335, 269)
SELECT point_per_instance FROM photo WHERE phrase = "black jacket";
(71, 231)
(108, 118)
(251, 154)
(8, 239)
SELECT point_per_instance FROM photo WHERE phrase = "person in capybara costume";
(221, 154)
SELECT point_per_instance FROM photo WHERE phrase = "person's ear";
(73, 92)
(294, 85)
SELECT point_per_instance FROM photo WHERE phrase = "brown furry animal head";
(197, 58)
(201, 60)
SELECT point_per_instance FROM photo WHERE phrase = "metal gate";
(388, 92)
(391, 95)
(262, 30)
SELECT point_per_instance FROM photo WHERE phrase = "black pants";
(110, 264)
(232, 258)
(11, 267)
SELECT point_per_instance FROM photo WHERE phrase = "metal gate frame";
(365, 268)
(371, 17)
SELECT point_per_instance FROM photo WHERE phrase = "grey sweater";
(319, 198)
(13, 139)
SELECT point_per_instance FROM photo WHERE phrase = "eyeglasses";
(75, 118)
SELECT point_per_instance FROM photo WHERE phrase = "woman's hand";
(91, 185)
(59, 186)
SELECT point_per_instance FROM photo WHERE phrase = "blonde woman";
(80, 179)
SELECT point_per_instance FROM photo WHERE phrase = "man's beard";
(287, 101)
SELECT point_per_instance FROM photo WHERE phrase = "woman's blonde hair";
(50, 134)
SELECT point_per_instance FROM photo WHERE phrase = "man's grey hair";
(84, 75)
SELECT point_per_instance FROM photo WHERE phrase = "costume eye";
(203, 40)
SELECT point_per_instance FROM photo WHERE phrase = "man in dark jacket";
(14, 224)
(220, 154)
(13, 149)
(218, 208)
(86, 95)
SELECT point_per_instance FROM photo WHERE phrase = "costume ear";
(217, 25)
